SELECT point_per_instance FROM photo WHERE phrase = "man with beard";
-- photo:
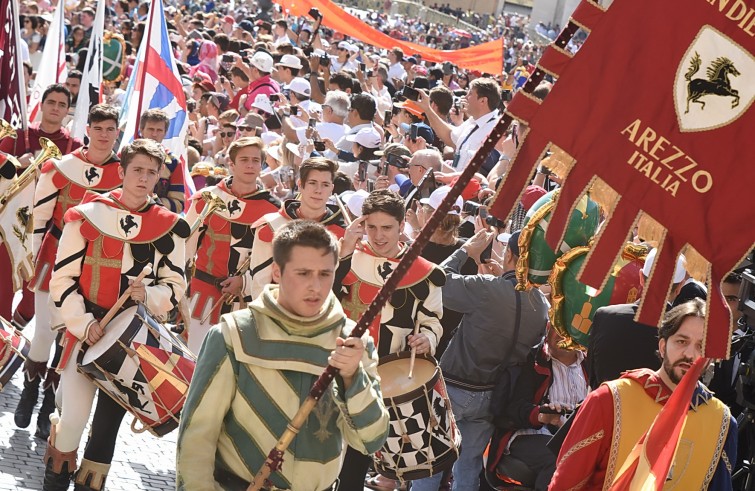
(614, 417)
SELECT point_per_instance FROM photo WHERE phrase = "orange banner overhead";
(486, 57)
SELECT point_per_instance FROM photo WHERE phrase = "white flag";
(54, 57)
(89, 93)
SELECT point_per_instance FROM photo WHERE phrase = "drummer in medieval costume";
(316, 177)
(56, 99)
(223, 242)
(259, 363)
(106, 243)
(61, 186)
(154, 124)
(416, 305)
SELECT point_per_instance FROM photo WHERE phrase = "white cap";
(289, 61)
(438, 196)
(262, 62)
(355, 201)
(367, 137)
(504, 237)
(353, 48)
(300, 86)
(261, 101)
(324, 43)
(679, 273)
(274, 152)
(343, 45)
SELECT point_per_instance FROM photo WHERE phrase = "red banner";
(12, 85)
(657, 104)
(486, 57)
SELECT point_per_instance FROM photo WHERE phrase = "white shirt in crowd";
(468, 137)
(331, 131)
(336, 66)
(397, 71)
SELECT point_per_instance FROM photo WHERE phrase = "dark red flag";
(656, 104)
(12, 85)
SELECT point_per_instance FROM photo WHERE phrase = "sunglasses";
(228, 134)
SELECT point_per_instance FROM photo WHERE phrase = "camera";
(274, 97)
(471, 208)
(324, 60)
(370, 73)
(227, 58)
(319, 145)
(314, 12)
(411, 94)
(494, 222)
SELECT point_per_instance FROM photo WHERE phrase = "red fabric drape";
(486, 57)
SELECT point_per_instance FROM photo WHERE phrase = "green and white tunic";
(254, 371)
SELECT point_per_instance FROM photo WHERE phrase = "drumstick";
(242, 269)
(414, 353)
(344, 213)
(122, 299)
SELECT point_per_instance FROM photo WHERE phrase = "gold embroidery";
(214, 239)
(616, 438)
(724, 430)
(97, 261)
(727, 463)
(582, 444)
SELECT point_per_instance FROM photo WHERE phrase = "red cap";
(531, 195)
(472, 189)
(229, 19)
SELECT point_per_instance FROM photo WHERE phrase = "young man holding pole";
(256, 367)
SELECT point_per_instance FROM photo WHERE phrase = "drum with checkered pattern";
(144, 367)
(423, 439)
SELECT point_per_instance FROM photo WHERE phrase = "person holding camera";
(498, 328)
(549, 386)
(422, 182)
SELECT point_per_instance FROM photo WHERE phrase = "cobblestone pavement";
(141, 462)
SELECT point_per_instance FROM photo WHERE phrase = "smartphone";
(487, 253)
(362, 176)
(228, 58)
(274, 97)
(319, 145)
(483, 212)
(413, 129)
(362, 67)
(370, 73)
(294, 110)
(387, 117)
(411, 93)
(312, 122)
(427, 184)
(384, 168)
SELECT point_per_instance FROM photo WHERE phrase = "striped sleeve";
(64, 283)
(261, 270)
(429, 314)
(45, 198)
(363, 417)
(170, 286)
(208, 401)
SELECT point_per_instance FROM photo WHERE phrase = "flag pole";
(144, 67)
(19, 63)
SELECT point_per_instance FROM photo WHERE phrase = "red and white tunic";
(223, 242)
(417, 301)
(61, 186)
(104, 245)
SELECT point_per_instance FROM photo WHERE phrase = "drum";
(536, 258)
(422, 439)
(14, 348)
(142, 366)
(574, 304)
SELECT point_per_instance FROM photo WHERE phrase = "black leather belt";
(231, 482)
(208, 278)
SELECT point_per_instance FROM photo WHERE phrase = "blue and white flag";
(156, 84)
